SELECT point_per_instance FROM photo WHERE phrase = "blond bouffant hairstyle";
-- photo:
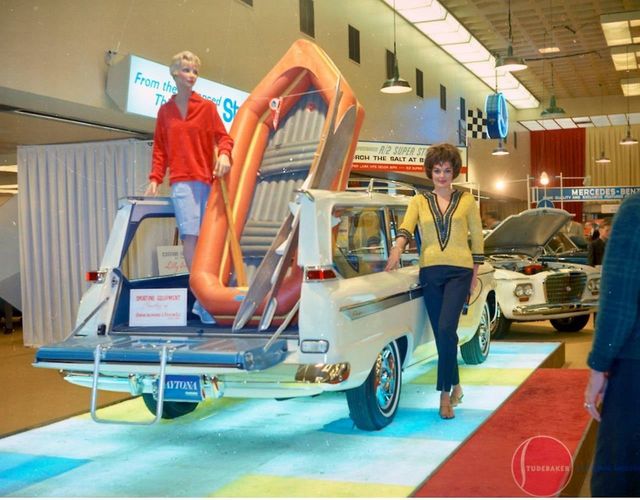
(177, 60)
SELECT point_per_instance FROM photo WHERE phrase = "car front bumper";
(587, 306)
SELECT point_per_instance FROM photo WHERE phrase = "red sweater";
(186, 146)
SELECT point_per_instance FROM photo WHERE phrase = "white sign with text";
(158, 307)
(141, 86)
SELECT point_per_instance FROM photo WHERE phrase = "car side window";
(359, 244)
(411, 254)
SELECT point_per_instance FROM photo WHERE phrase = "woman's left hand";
(223, 165)
(474, 282)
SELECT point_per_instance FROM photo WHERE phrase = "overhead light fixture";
(500, 150)
(603, 159)
(628, 140)
(553, 108)
(510, 62)
(395, 84)
(549, 50)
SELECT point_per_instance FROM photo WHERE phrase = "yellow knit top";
(445, 236)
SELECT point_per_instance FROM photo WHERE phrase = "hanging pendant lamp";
(509, 62)
(395, 84)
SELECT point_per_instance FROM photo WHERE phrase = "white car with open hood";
(529, 289)
(355, 327)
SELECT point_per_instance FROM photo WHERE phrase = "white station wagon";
(357, 326)
(532, 288)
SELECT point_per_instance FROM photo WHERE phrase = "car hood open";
(526, 233)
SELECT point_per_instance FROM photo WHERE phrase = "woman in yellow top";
(448, 267)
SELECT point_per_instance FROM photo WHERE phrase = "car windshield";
(560, 243)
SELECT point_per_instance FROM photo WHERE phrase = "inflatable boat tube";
(304, 66)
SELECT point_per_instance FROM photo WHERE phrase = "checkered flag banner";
(476, 124)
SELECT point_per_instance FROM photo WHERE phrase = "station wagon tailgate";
(232, 352)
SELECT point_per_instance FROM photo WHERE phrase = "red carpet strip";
(523, 449)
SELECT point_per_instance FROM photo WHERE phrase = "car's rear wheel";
(500, 326)
(373, 405)
(476, 350)
(171, 409)
(573, 324)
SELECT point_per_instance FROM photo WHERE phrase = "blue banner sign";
(141, 86)
(585, 193)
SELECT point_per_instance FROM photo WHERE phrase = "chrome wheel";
(386, 374)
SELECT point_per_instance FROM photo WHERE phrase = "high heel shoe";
(446, 411)
(456, 400)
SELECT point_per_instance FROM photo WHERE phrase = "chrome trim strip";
(586, 306)
(362, 309)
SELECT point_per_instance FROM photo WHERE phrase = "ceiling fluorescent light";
(630, 86)
(566, 122)
(549, 124)
(617, 27)
(532, 125)
(549, 50)
(600, 121)
(625, 58)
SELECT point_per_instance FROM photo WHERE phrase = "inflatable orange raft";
(301, 83)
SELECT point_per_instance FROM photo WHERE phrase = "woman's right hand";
(394, 259)
(152, 189)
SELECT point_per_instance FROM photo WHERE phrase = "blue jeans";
(452, 282)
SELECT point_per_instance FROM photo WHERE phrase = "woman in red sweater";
(187, 130)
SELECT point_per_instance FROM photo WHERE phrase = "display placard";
(171, 260)
(158, 307)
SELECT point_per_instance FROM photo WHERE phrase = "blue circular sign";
(545, 203)
(497, 116)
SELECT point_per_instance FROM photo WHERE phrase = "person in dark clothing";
(597, 244)
(612, 396)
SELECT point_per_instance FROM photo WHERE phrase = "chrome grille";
(565, 287)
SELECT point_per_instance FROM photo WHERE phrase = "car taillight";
(319, 274)
(94, 276)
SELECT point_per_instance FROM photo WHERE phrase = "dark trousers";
(616, 468)
(445, 290)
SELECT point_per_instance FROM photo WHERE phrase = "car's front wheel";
(373, 405)
(476, 350)
(170, 409)
(501, 325)
(573, 324)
